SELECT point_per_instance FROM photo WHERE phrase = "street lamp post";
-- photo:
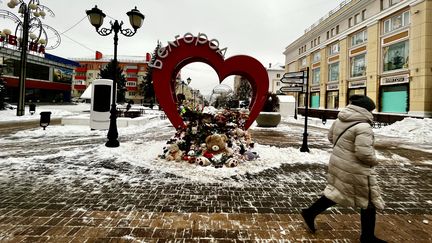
(96, 17)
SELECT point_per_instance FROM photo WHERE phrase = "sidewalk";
(162, 208)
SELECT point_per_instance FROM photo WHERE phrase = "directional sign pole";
(295, 106)
(304, 147)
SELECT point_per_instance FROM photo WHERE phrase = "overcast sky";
(258, 28)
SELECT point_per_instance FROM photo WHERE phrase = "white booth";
(101, 100)
(286, 105)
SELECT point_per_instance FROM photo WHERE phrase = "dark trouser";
(367, 218)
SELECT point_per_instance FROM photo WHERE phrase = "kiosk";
(101, 100)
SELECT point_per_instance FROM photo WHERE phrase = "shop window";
(397, 22)
(351, 92)
(332, 99)
(359, 38)
(301, 100)
(315, 100)
(396, 56)
(394, 99)
(333, 72)
(358, 66)
(316, 73)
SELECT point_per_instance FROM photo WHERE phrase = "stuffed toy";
(232, 162)
(216, 144)
(174, 153)
(203, 161)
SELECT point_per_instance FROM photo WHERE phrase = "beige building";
(381, 48)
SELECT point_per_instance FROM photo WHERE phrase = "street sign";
(291, 89)
(292, 80)
(301, 74)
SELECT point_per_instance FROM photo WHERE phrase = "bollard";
(32, 108)
(45, 119)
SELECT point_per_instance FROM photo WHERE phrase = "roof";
(61, 60)
(108, 58)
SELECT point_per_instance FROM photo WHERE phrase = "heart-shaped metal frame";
(186, 52)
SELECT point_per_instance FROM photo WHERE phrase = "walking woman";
(351, 176)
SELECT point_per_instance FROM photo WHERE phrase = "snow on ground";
(74, 152)
(138, 153)
(57, 111)
(410, 129)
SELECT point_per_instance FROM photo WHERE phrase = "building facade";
(380, 48)
(275, 73)
(134, 68)
(48, 77)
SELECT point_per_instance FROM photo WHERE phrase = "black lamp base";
(112, 143)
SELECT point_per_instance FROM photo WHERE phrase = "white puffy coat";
(351, 175)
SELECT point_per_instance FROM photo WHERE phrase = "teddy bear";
(216, 144)
(174, 153)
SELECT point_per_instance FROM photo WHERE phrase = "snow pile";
(411, 129)
(57, 111)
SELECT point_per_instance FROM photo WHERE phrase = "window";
(393, 2)
(357, 19)
(359, 38)
(332, 99)
(364, 14)
(131, 84)
(315, 100)
(350, 22)
(131, 93)
(337, 29)
(319, 40)
(397, 22)
(277, 75)
(277, 83)
(312, 44)
(396, 56)
(316, 75)
(328, 35)
(332, 32)
(358, 66)
(303, 62)
(334, 49)
(333, 72)
(316, 57)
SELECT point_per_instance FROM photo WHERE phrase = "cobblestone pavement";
(264, 209)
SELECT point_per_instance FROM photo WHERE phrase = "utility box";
(101, 100)
(287, 105)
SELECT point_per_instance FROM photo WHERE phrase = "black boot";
(318, 207)
(368, 218)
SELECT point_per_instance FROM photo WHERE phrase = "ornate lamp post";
(136, 19)
(30, 27)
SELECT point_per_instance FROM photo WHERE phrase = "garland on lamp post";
(29, 27)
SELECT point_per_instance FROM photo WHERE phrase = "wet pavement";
(161, 208)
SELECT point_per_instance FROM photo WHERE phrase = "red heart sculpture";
(184, 52)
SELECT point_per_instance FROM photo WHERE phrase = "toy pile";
(211, 137)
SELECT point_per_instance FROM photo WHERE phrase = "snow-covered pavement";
(68, 168)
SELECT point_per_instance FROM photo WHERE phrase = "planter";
(268, 119)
